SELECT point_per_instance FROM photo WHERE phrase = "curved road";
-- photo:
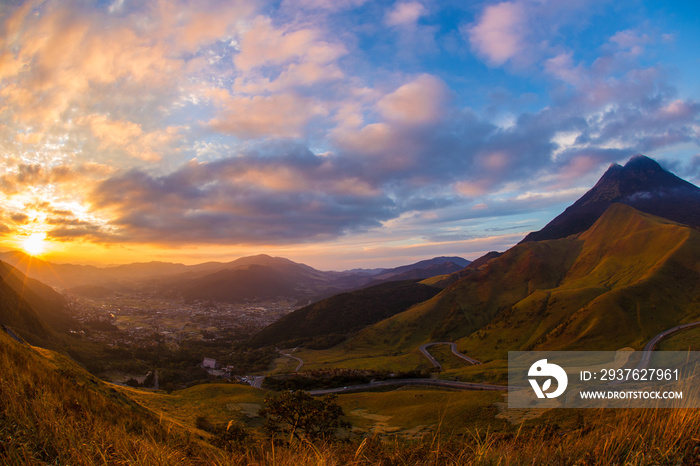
(649, 347)
(301, 361)
(257, 381)
(424, 349)
(643, 363)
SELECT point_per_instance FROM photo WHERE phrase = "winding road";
(649, 347)
(643, 363)
(424, 349)
(301, 361)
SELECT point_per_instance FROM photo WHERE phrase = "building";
(209, 363)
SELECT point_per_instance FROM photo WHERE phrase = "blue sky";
(341, 133)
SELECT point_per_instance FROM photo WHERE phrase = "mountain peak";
(641, 183)
(641, 162)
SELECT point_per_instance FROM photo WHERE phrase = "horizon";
(223, 261)
(341, 135)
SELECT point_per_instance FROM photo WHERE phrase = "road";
(424, 349)
(257, 381)
(430, 382)
(301, 361)
(649, 347)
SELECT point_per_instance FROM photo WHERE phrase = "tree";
(231, 438)
(302, 416)
(150, 379)
(132, 382)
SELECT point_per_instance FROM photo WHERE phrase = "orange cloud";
(189, 26)
(281, 115)
(421, 101)
(264, 44)
(129, 137)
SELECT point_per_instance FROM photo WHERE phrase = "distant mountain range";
(248, 278)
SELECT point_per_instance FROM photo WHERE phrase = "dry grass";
(52, 412)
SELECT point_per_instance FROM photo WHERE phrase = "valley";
(132, 319)
(418, 353)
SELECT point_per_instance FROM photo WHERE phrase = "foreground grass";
(53, 412)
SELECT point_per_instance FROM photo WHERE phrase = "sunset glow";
(337, 133)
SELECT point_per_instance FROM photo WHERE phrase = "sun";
(35, 244)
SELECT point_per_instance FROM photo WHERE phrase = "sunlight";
(35, 244)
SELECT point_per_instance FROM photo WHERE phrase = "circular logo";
(543, 370)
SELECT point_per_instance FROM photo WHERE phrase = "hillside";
(327, 322)
(244, 283)
(423, 269)
(443, 281)
(426, 271)
(33, 310)
(643, 184)
(53, 412)
(619, 283)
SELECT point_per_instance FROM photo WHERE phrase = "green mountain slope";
(619, 283)
(329, 321)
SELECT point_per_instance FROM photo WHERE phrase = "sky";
(338, 133)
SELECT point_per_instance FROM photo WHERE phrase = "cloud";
(328, 5)
(308, 121)
(272, 196)
(62, 59)
(630, 42)
(562, 67)
(279, 115)
(522, 34)
(421, 101)
(405, 14)
(263, 44)
(21, 177)
(189, 26)
(129, 137)
(500, 33)
(66, 55)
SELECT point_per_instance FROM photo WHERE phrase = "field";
(363, 358)
(404, 412)
(220, 403)
(53, 412)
